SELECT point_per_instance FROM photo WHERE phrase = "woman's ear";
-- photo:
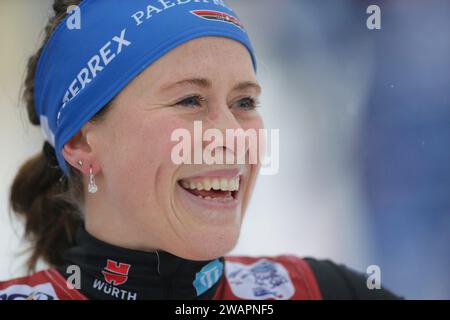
(78, 148)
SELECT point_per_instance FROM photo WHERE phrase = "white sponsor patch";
(43, 291)
(261, 280)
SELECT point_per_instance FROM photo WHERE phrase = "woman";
(105, 204)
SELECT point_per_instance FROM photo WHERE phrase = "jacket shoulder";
(293, 277)
(339, 282)
(283, 277)
(43, 285)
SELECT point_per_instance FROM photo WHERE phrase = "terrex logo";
(116, 273)
(218, 16)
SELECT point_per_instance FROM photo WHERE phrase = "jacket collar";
(111, 272)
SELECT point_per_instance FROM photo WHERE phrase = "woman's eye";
(192, 101)
(248, 103)
(245, 104)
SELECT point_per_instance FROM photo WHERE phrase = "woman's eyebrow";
(207, 84)
(248, 85)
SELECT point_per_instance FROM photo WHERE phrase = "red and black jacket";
(96, 270)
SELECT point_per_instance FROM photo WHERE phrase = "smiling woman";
(146, 227)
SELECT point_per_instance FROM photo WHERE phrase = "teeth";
(185, 184)
(207, 184)
(224, 184)
(231, 185)
(215, 184)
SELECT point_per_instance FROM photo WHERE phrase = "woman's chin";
(208, 244)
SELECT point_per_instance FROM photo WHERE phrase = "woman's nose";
(222, 118)
(232, 139)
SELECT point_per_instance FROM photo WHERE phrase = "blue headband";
(81, 70)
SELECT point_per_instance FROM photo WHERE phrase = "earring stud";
(80, 163)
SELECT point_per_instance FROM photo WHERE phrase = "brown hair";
(48, 202)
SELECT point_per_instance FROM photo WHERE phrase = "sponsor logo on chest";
(115, 274)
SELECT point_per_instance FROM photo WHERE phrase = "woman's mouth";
(218, 189)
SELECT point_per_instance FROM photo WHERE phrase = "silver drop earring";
(92, 187)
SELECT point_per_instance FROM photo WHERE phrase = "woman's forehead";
(203, 52)
(201, 63)
(202, 58)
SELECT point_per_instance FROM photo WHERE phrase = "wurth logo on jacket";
(116, 273)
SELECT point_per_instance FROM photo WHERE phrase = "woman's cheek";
(162, 141)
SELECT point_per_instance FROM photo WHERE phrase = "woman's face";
(141, 202)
